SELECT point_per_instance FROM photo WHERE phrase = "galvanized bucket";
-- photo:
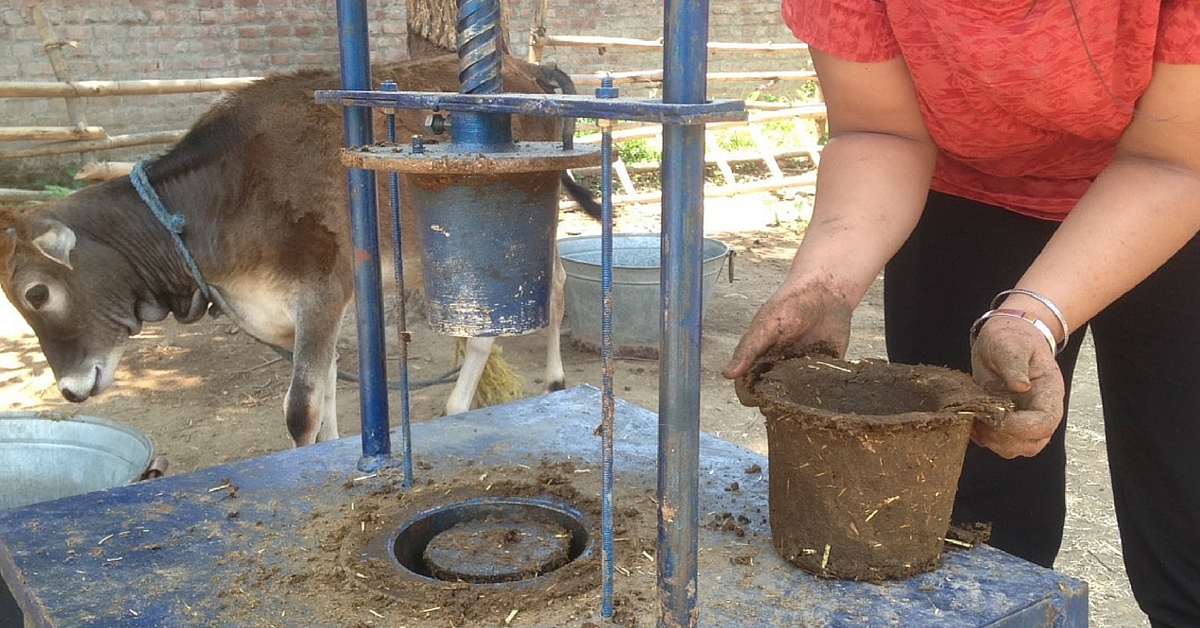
(636, 289)
(49, 456)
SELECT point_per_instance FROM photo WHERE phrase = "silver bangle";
(1062, 320)
(1036, 322)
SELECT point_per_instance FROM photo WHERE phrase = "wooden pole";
(104, 170)
(814, 111)
(537, 32)
(656, 76)
(12, 195)
(49, 133)
(51, 89)
(106, 143)
(53, 47)
(808, 179)
(656, 44)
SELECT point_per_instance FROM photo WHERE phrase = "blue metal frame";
(553, 105)
(685, 70)
(373, 401)
(683, 111)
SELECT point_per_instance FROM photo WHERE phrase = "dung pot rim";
(954, 396)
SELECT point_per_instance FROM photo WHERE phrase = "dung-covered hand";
(1011, 358)
(811, 314)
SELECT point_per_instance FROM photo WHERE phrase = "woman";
(1025, 170)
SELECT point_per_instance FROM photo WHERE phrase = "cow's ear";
(57, 243)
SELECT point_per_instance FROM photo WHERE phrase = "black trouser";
(1147, 350)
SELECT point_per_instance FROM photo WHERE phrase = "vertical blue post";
(685, 69)
(356, 75)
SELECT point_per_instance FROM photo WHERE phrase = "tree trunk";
(432, 27)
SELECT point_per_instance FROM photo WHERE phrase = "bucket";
(48, 456)
(486, 249)
(864, 461)
(636, 292)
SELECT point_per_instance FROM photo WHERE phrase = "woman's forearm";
(872, 190)
(1139, 211)
(1135, 216)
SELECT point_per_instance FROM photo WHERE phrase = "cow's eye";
(37, 295)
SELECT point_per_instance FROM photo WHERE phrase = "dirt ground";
(206, 394)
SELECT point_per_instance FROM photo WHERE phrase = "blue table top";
(244, 544)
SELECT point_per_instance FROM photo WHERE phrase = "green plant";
(733, 140)
(808, 92)
(61, 191)
(639, 151)
(584, 126)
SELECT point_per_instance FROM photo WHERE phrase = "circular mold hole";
(489, 540)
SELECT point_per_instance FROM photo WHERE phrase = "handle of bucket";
(730, 262)
(156, 469)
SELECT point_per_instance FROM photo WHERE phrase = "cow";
(262, 192)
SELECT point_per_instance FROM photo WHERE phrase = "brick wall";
(139, 39)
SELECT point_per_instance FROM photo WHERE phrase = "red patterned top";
(1023, 118)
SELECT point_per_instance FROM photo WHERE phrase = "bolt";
(437, 124)
(606, 89)
(388, 86)
(418, 145)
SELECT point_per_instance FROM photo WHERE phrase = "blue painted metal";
(479, 66)
(685, 70)
(487, 246)
(554, 105)
(479, 57)
(356, 74)
(402, 335)
(481, 132)
(486, 236)
(608, 364)
(178, 550)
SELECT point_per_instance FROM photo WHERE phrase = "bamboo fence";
(79, 138)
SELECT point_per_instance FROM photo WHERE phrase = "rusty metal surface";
(443, 159)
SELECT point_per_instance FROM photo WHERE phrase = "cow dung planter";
(864, 460)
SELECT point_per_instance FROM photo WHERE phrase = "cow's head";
(77, 295)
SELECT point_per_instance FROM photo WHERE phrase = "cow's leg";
(309, 406)
(329, 425)
(555, 377)
(474, 360)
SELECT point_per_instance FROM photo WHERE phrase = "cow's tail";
(581, 195)
(551, 79)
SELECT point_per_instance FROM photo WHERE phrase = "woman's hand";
(1010, 357)
(807, 314)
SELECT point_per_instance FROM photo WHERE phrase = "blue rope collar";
(173, 222)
